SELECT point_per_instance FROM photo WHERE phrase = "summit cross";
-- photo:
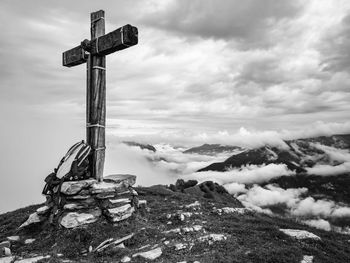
(94, 52)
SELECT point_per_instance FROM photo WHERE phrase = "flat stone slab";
(32, 219)
(32, 260)
(212, 238)
(150, 255)
(115, 202)
(195, 204)
(300, 234)
(29, 241)
(127, 179)
(107, 187)
(5, 251)
(112, 242)
(5, 244)
(74, 219)
(74, 206)
(78, 197)
(180, 246)
(103, 196)
(14, 238)
(125, 259)
(119, 210)
(74, 187)
(307, 259)
(43, 210)
(7, 259)
(230, 210)
(120, 213)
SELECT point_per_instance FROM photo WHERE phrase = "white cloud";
(318, 223)
(245, 175)
(295, 203)
(335, 154)
(311, 207)
(320, 208)
(272, 195)
(235, 188)
(329, 170)
(132, 160)
(257, 208)
(341, 212)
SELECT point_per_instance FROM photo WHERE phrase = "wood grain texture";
(93, 52)
(74, 56)
(88, 99)
(116, 40)
(97, 100)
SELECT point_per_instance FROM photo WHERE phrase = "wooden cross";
(94, 52)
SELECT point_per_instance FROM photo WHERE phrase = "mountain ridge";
(300, 154)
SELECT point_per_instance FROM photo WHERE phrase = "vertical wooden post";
(96, 99)
(88, 95)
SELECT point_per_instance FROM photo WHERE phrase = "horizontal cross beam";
(116, 40)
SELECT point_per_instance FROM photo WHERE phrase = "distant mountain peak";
(298, 154)
(140, 145)
(213, 149)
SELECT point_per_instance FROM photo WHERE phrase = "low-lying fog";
(168, 164)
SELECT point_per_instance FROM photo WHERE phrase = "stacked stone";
(85, 201)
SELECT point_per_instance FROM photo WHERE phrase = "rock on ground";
(125, 259)
(151, 254)
(74, 219)
(300, 234)
(5, 251)
(212, 238)
(5, 244)
(32, 219)
(7, 259)
(229, 210)
(307, 259)
(29, 241)
(120, 213)
(13, 238)
(43, 210)
(32, 260)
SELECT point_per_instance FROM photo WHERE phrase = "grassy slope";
(252, 237)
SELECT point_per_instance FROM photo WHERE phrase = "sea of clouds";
(169, 163)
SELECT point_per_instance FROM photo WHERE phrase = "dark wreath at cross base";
(112, 197)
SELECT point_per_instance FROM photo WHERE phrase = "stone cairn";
(85, 201)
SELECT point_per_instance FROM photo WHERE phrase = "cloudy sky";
(202, 70)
